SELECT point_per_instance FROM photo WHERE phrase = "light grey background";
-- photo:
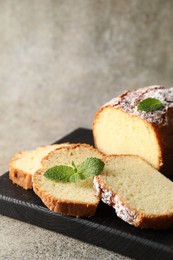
(59, 62)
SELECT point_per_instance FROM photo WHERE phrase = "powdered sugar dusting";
(96, 186)
(129, 101)
(106, 196)
(111, 199)
(124, 212)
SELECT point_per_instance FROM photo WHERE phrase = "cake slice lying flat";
(70, 198)
(25, 163)
(140, 194)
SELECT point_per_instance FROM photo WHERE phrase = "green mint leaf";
(150, 104)
(60, 173)
(90, 167)
(74, 177)
(74, 166)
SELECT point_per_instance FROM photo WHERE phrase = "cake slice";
(71, 198)
(140, 194)
(25, 163)
(121, 127)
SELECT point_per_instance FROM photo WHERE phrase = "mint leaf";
(90, 167)
(74, 166)
(74, 177)
(150, 104)
(61, 173)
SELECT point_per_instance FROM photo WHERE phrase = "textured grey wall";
(61, 60)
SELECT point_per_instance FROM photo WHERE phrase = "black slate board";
(104, 229)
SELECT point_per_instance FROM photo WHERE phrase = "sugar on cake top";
(129, 100)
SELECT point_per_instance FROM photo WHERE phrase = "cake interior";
(117, 132)
(30, 160)
(138, 185)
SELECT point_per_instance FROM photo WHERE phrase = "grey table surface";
(59, 62)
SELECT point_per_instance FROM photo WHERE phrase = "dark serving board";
(104, 229)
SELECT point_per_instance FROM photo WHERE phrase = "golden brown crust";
(164, 137)
(131, 215)
(153, 222)
(21, 178)
(17, 176)
(96, 118)
(164, 134)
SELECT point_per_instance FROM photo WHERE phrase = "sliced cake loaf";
(70, 198)
(123, 127)
(140, 194)
(25, 163)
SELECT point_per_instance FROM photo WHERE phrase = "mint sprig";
(150, 104)
(62, 173)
